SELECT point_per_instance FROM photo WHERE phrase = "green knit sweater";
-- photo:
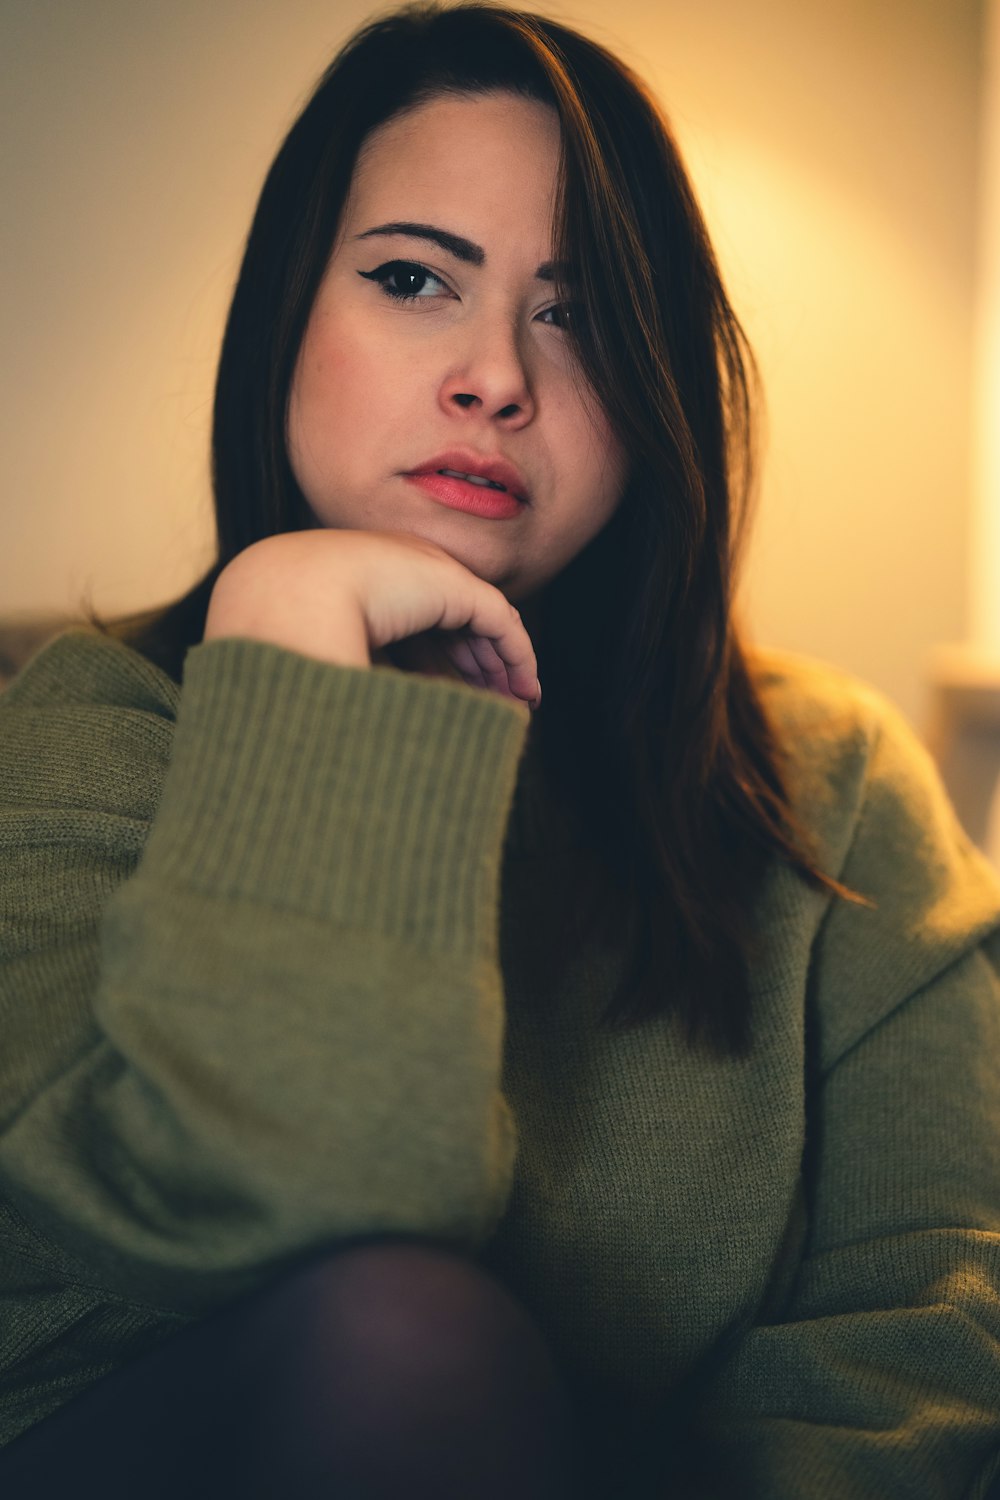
(270, 947)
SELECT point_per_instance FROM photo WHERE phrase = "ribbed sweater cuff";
(370, 798)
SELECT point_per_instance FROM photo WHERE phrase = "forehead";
(497, 151)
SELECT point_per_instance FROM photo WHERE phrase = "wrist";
(251, 604)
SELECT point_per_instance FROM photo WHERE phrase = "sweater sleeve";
(251, 965)
(875, 1375)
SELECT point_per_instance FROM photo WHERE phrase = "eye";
(401, 272)
(568, 314)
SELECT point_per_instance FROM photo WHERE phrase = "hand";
(340, 596)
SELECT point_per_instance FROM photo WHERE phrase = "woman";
(417, 1084)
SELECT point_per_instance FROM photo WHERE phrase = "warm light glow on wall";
(985, 560)
(861, 324)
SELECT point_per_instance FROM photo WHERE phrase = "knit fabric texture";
(271, 959)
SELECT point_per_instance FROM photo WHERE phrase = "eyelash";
(382, 275)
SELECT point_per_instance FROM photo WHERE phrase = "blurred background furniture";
(963, 735)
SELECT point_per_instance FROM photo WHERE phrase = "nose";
(490, 374)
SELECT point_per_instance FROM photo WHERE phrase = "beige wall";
(835, 148)
(984, 559)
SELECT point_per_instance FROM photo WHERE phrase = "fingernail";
(536, 701)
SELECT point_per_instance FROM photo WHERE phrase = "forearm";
(298, 1032)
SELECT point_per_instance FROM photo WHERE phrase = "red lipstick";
(464, 465)
(494, 505)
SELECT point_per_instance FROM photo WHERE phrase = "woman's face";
(476, 360)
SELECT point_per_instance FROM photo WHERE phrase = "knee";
(401, 1358)
(407, 1307)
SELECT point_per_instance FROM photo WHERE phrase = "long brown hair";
(652, 725)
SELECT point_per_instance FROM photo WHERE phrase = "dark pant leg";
(387, 1369)
(993, 1493)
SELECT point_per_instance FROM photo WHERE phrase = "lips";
(477, 466)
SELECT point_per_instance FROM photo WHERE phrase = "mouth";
(485, 472)
(489, 484)
(487, 499)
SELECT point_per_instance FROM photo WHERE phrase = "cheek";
(589, 440)
(326, 374)
(616, 470)
(603, 468)
(329, 391)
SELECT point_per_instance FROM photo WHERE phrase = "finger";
(510, 641)
(515, 650)
(460, 653)
(486, 612)
(491, 664)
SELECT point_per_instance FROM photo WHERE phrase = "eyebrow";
(458, 246)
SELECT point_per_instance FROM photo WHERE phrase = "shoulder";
(82, 667)
(88, 724)
(869, 794)
(858, 774)
(808, 692)
(830, 724)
